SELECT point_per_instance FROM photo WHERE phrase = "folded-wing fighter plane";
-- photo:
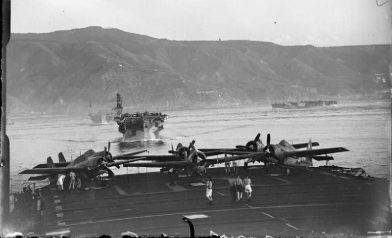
(180, 154)
(188, 158)
(285, 153)
(250, 146)
(88, 165)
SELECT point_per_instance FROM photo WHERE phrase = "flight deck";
(308, 201)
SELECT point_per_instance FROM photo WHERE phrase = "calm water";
(363, 128)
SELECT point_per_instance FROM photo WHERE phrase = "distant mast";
(118, 109)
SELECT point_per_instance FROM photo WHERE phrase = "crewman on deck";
(287, 171)
(227, 166)
(72, 180)
(239, 187)
(235, 167)
(232, 188)
(60, 182)
(209, 190)
(78, 183)
(248, 188)
(40, 204)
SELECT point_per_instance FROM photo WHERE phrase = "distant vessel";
(100, 118)
(138, 126)
(303, 104)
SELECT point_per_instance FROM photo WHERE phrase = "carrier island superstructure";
(139, 125)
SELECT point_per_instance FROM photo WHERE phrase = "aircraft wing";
(171, 164)
(128, 155)
(244, 155)
(157, 158)
(48, 165)
(304, 153)
(220, 151)
(322, 157)
(39, 177)
(59, 170)
(124, 162)
(304, 145)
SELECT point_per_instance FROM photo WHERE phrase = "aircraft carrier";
(138, 126)
(318, 202)
(303, 104)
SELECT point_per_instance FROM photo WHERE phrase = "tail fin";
(62, 158)
(50, 163)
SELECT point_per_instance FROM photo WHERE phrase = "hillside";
(63, 71)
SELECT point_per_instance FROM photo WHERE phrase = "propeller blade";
(257, 137)
(268, 139)
(191, 144)
(108, 146)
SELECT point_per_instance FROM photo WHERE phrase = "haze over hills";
(65, 70)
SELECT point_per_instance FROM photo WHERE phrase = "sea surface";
(362, 127)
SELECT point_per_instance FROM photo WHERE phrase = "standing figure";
(72, 180)
(227, 167)
(232, 188)
(248, 188)
(239, 187)
(209, 190)
(78, 183)
(235, 167)
(40, 205)
(60, 182)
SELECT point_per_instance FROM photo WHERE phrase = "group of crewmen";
(74, 181)
(237, 187)
(29, 202)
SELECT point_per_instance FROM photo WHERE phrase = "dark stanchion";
(191, 227)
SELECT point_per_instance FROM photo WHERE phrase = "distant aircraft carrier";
(303, 104)
(313, 202)
(138, 126)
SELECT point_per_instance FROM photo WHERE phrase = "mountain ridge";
(65, 70)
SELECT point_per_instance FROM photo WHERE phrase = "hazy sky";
(287, 22)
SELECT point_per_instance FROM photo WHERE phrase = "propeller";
(180, 150)
(269, 149)
(252, 145)
(108, 157)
